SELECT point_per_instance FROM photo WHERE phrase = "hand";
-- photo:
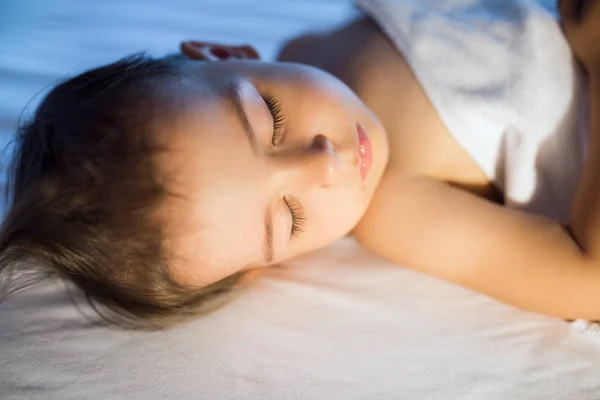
(217, 52)
(581, 23)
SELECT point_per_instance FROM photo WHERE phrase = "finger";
(248, 51)
(194, 50)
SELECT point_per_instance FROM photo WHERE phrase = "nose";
(315, 165)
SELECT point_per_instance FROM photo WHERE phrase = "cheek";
(334, 216)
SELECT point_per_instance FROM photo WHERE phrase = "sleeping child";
(447, 136)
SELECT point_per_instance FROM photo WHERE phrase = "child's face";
(255, 191)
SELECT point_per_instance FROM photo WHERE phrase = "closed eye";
(276, 111)
(297, 213)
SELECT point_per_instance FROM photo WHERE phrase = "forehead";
(215, 218)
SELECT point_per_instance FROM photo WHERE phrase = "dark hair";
(83, 194)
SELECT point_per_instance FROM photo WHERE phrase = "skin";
(426, 205)
(236, 188)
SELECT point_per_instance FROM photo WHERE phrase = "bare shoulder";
(362, 56)
(344, 51)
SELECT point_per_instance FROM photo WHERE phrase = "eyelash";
(297, 216)
(274, 107)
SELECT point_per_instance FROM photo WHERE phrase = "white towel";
(588, 328)
(502, 78)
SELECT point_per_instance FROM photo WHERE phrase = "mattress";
(336, 324)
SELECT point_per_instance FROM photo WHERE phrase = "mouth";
(364, 152)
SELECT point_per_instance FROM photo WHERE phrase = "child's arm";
(521, 259)
(528, 261)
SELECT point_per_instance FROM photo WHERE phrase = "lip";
(364, 152)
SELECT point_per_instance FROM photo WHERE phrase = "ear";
(217, 52)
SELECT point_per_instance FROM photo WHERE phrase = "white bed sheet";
(340, 324)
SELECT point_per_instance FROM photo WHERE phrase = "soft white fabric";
(337, 325)
(502, 78)
(589, 328)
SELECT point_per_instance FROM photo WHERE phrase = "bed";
(337, 324)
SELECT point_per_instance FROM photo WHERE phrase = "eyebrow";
(234, 97)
